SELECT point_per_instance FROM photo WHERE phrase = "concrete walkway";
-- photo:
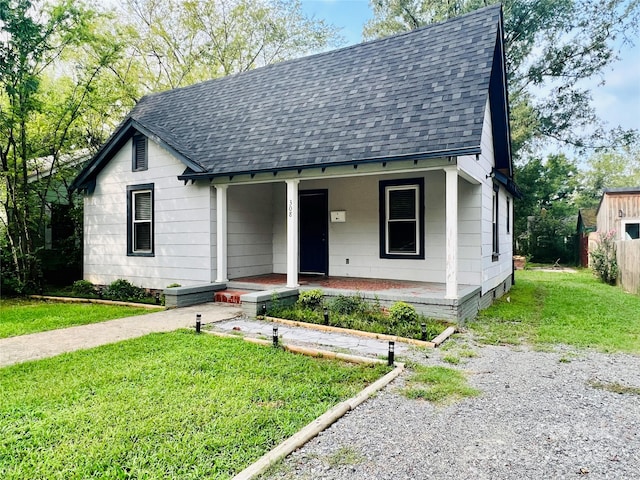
(338, 342)
(54, 342)
(215, 316)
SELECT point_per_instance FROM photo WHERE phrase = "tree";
(551, 46)
(40, 109)
(174, 43)
(608, 169)
(544, 217)
(68, 75)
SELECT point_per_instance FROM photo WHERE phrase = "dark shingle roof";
(423, 91)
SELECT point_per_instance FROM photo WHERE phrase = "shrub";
(401, 312)
(83, 287)
(124, 290)
(603, 258)
(347, 305)
(311, 299)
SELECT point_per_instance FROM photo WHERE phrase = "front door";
(314, 232)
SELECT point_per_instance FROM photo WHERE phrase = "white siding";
(358, 238)
(249, 230)
(182, 225)
(493, 272)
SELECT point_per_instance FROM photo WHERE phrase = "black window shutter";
(139, 152)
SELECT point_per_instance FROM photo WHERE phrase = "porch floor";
(389, 288)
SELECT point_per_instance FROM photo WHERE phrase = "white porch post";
(292, 233)
(452, 232)
(221, 233)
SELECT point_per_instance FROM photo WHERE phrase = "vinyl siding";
(358, 238)
(493, 272)
(182, 225)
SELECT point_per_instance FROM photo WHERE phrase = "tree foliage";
(544, 217)
(69, 73)
(608, 169)
(40, 108)
(173, 43)
(552, 46)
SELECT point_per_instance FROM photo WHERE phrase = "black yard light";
(424, 331)
(264, 309)
(100, 292)
(198, 322)
(325, 313)
(275, 336)
(157, 298)
(392, 347)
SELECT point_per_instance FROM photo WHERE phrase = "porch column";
(292, 233)
(221, 233)
(451, 239)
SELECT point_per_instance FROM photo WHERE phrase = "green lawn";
(570, 308)
(19, 316)
(171, 405)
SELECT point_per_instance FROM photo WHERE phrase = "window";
(139, 153)
(140, 220)
(496, 216)
(631, 231)
(508, 215)
(402, 218)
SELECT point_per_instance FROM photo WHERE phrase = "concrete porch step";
(229, 296)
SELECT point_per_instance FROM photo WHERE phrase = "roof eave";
(86, 178)
(457, 152)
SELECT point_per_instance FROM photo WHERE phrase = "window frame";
(386, 186)
(137, 164)
(132, 191)
(623, 229)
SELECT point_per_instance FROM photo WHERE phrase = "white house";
(389, 159)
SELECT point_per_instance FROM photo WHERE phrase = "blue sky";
(617, 102)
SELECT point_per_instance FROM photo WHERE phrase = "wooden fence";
(628, 256)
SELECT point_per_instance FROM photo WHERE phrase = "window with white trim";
(402, 218)
(140, 220)
(631, 231)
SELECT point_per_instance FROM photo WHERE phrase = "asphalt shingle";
(421, 91)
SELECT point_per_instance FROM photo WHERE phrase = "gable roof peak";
(421, 92)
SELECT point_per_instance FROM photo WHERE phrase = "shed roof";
(587, 219)
(420, 93)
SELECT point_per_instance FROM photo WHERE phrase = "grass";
(570, 308)
(344, 456)
(170, 405)
(440, 385)
(19, 316)
(615, 387)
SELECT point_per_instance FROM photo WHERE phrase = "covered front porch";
(262, 223)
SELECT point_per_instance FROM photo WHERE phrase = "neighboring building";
(619, 211)
(586, 225)
(389, 159)
(619, 215)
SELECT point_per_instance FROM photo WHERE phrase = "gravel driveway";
(539, 417)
